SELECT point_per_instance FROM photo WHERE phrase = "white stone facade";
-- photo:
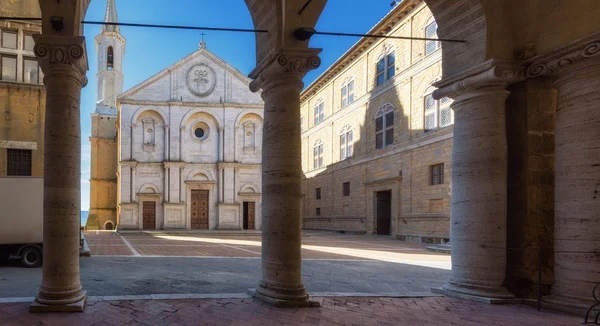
(193, 126)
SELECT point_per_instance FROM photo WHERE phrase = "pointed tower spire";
(110, 16)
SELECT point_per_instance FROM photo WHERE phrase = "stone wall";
(530, 214)
(22, 111)
(420, 211)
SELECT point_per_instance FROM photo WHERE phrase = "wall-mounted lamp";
(57, 23)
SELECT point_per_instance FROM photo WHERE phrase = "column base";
(484, 294)
(78, 306)
(283, 295)
(567, 303)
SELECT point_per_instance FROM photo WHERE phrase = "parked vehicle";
(21, 219)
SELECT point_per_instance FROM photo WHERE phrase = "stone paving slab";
(108, 276)
(334, 311)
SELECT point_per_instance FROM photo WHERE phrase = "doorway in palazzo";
(149, 215)
(384, 212)
(249, 209)
(199, 220)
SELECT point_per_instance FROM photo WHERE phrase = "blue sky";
(152, 50)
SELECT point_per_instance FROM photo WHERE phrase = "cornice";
(192, 104)
(555, 62)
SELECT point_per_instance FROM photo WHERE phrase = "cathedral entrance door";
(199, 209)
(249, 215)
(149, 215)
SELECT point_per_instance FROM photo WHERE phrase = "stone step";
(341, 231)
(442, 248)
(216, 233)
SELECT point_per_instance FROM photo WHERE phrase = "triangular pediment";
(201, 77)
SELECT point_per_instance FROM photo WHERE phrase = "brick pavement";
(334, 311)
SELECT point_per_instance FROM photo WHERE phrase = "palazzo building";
(376, 145)
(22, 93)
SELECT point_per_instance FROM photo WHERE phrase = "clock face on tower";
(201, 80)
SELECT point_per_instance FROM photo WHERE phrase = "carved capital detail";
(558, 61)
(287, 66)
(490, 74)
(62, 54)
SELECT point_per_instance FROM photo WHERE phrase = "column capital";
(62, 55)
(284, 67)
(488, 78)
(566, 58)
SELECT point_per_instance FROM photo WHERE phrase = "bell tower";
(110, 48)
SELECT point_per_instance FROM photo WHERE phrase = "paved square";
(247, 312)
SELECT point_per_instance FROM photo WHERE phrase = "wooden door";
(199, 210)
(149, 215)
(384, 212)
(249, 209)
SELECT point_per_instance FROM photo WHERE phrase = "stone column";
(577, 177)
(64, 62)
(479, 175)
(280, 78)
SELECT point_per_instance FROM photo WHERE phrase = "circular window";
(199, 133)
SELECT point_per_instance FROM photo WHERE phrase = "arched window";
(346, 143)
(437, 113)
(318, 154)
(431, 32)
(384, 126)
(110, 58)
(348, 92)
(319, 111)
(386, 65)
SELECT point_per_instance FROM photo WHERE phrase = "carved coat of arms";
(201, 80)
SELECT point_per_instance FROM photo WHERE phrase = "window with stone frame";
(386, 66)
(17, 60)
(437, 174)
(18, 162)
(301, 123)
(319, 112)
(348, 93)
(318, 155)
(318, 211)
(384, 126)
(346, 189)
(431, 32)
(346, 144)
(318, 193)
(437, 113)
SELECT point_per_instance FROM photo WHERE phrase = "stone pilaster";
(576, 69)
(479, 175)
(63, 60)
(280, 78)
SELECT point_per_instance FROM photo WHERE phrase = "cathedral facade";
(188, 146)
(190, 143)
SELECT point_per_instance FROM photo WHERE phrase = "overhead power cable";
(243, 30)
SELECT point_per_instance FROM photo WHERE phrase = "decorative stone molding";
(174, 164)
(227, 165)
(287, 66)
(490, 74)
(62, 54)
(565, 57)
